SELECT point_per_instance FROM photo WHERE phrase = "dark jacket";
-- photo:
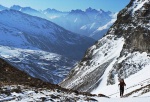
(122, 84)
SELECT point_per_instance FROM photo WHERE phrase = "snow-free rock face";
(39, 47)
(121, 53)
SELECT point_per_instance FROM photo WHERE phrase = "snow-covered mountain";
(28, 10)
(86, 22)
(2, 8)
(42, 34)
(124, 52)
(91, 22)
(38, 46)
(53, 13)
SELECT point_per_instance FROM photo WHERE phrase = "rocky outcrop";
(133, 25)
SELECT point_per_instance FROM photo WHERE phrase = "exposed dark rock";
(69, 100)
(43, 99)
(101, 95)
(54, 97)
(91, 100)
(137, 33)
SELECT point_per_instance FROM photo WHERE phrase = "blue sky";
(67, 5)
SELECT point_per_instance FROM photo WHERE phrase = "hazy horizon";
(67, 5)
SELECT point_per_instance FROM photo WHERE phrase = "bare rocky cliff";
(134, 25)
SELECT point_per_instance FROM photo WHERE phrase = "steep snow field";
(106, 50)
(133, 82)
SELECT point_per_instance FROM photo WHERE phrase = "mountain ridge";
(73, 20)
(38, 46)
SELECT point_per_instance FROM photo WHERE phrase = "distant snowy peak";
(53, 13)
(77, 11)
(2, 8)
(49, 10)
(23, 9)
(28, 10)
(16, 7)
(83, 22)
(91, 10)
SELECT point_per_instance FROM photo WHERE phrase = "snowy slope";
(39, 94)
(134, 62)
(32, 37)
(122, 53)
(94, 64)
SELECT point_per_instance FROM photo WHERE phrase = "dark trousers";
(121, 91)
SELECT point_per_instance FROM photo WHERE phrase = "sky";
(67, 5)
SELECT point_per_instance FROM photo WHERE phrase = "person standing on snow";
(121, 84)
